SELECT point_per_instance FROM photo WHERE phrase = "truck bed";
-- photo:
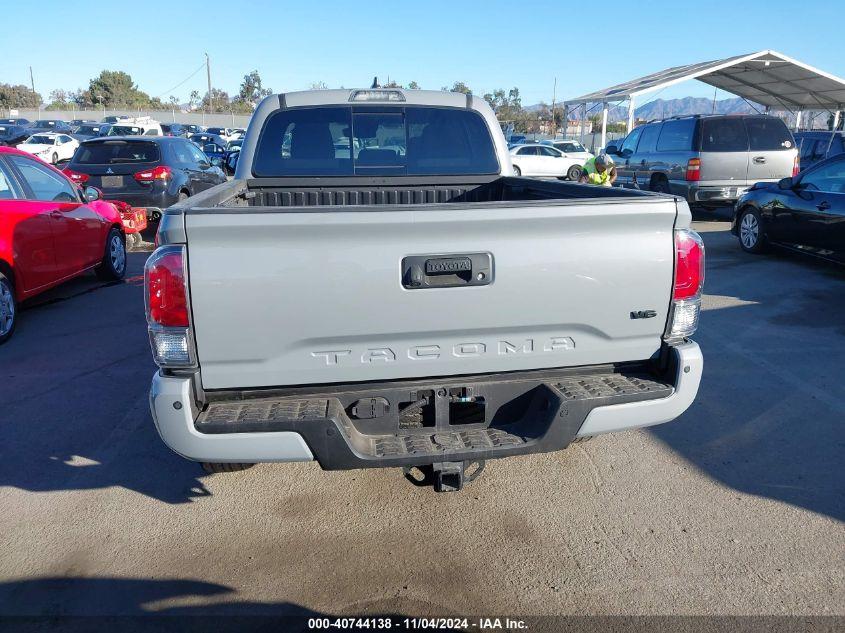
(288, 192)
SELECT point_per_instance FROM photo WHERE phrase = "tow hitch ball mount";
(445, 476)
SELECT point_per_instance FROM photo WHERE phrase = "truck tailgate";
(316, 296)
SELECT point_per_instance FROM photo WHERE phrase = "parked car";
(12, 135)
(543, 160)
(15, 121)
(50, 125)
(230, 157)
(804, 213)
(138, 126)
(75, 123)
(206, 138)
(317, 277)
(91, 130)
(50, 147)
(115, 118)
(223, 132)
(50, 231)
(817, 145)
(175, 129)
(570, 149)
(153, 172)
(238, 133)
(707, 160)
(194, 129)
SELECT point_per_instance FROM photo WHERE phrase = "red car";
(50, 231)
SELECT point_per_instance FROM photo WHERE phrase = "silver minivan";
(706, 159)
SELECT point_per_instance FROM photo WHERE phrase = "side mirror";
(92, 193)
(612, 149)
(785, 183)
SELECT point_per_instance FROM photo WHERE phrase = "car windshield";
(110, 152)
(88, 129)
(125, 130)
(350, 140)
(39, 139)
(45, 123)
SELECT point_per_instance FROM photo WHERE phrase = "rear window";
(768, 133)
(676, 136)
(394, 141)
(723, 135)
(117, 152)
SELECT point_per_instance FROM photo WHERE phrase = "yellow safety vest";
(594, 177)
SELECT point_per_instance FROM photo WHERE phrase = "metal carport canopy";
(767, 77)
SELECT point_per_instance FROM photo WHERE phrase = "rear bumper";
(704, 194)
(529, 412)
(155, 199)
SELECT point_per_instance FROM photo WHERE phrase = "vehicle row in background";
(545, 161)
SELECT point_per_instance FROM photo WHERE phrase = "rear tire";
(213, 468)
(517, 171)
(8, 309)
(751, 236)
(113, 265)
(574, 173)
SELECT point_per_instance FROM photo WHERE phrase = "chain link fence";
(220, 119)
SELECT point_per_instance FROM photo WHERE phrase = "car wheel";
(113, 265)
(8, 309)
(213, 468)
(574, 173)
(751, 238)
(517, 171)
(660, 185)
(55, 158)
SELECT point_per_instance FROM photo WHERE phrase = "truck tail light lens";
(796, 166)
(688, 284)
(160, 172)
(693, 170)
(166, 299)
(75, 176)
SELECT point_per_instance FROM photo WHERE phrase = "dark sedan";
(11, 135)
(14, 121)
(804, 213)
(144, 171)
(50, 125)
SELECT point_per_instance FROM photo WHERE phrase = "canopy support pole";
(798, 119)
(836, 116)
(581, 125)
(630, 113)
(604, 124)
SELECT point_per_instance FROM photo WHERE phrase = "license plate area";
(112, 182)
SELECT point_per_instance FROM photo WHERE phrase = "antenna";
(375, 83)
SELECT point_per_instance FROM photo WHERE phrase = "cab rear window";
(768, 133)
(117, 152)
(378, 141)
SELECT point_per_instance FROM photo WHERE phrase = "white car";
(50, 146)
(570, 149)
(542, 160)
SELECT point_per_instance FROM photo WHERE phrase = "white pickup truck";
(375, 288)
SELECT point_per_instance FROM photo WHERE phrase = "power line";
(184, 81)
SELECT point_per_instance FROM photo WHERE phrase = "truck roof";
(343, 97)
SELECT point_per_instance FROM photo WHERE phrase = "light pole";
(100, 99)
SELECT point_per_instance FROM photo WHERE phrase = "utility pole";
(32, 83)
(208, 75)
(554, 96)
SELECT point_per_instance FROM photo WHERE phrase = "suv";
(152, 171)
(708, 160)
(570, 149)
(816, 146)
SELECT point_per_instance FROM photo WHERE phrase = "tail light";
(796, 166)
(75, 176)
(166, 300)
(688, 284)
(160, 172)
(693, 170)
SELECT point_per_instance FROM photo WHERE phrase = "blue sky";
(487, 44)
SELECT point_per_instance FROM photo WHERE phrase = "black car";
(11, 135)
(204, 138)
(15, 121)
(231, 155)
(75, 123)
(149, 171)
(817, 145)
(804, 213)
(90, 130)
(50, 125)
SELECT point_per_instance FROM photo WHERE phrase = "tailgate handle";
(447, 270)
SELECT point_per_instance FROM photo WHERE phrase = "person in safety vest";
(599, 171)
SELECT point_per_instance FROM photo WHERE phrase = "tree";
(319, 85)
(413, 86)
(59, 100)
(458, 86)
(392, 84)
(19, 96)
(219, 101)
(251, 91)
(118, 90)
(174, 102)
(193, 99)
